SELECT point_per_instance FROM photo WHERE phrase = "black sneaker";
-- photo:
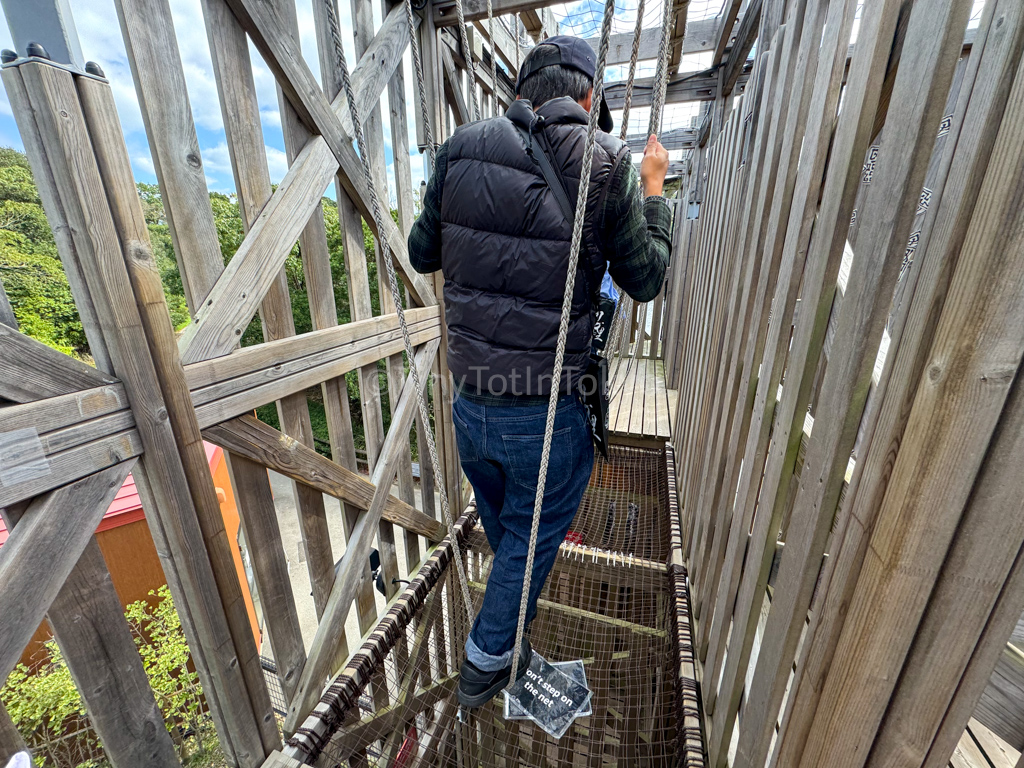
(477, 687)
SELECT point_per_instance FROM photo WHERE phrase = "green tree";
(30, 267)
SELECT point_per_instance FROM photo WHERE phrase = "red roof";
(126, 507)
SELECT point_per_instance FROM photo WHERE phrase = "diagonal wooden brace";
(263, 444)
(321, 655)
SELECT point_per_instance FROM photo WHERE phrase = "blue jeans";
(500, 448)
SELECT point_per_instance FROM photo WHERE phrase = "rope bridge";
(616, 599)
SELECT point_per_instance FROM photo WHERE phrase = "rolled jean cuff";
(485, 662)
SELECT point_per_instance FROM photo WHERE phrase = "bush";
(50, 715)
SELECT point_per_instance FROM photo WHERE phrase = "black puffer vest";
(505, 248)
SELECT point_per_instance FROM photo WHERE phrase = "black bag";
(593, 385)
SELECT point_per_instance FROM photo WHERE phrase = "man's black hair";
(554, 81)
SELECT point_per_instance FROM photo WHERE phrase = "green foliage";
(49, 712)
(30, 269)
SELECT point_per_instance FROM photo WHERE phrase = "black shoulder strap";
(550, 175)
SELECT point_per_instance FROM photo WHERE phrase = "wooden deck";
(981, 748)
(642, 409)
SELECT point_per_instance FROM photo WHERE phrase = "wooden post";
(161, 477)
(10, 740)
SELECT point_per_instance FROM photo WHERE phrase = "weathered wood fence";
(851, 410)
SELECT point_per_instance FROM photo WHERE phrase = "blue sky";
(100, 34)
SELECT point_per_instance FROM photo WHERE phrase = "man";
(492, 223)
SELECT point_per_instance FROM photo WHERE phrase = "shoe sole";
(472, 702)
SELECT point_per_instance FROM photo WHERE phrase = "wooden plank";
(231, 303)
(270, 568)
(161, 476)
(726, 21)
(651, 404)
(152, 49)
(890, 205)
(33, 371)
(453, 88)
(907, 357)
(42, 550)
(264, 445)
(267, 387)
(11, 741)
(745, 37)
(404, 194)
(321, 655)
(925, 462)
(129, 221)
(967, 754)
(89, 626)
(59, 414)
(999, 753)
(307, 349)
(999, 707)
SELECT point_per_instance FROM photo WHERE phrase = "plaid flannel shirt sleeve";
(425, 235)
(636, 234)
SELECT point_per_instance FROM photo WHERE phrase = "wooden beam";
(677, 138)
(693, 86)
(219, 323)
(322, 652)
(33, 371)
(726, 20)
(453, 88)
(474, 10)
(263, 444)
(240, 110)
(539, 23)
(270, 567)
(138, 264)
(265, 27)
(745, 37)
(700, 37)
(42, 550)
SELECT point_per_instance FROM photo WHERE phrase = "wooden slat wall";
(885, 620)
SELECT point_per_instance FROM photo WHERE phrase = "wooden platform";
(642, 409)
(981, 748)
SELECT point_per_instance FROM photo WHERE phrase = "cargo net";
(613, 599)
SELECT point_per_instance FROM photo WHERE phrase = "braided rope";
(494, 56)
(661, 76)
(625, 308)
(563, 327)
(474, 105)
(396, 295)
(428, 134)
(633, 57)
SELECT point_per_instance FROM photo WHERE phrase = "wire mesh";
(612, 600)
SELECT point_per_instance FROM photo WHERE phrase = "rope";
(661, 76)
(417, 65)
(625, 308)
(563, 327)
(474, 106)
(396, 295)
(494, 57)
(634, 56)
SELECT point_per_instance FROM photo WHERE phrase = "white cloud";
(277, 162)
(145, 163)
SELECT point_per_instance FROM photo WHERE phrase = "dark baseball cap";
(571, 52)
